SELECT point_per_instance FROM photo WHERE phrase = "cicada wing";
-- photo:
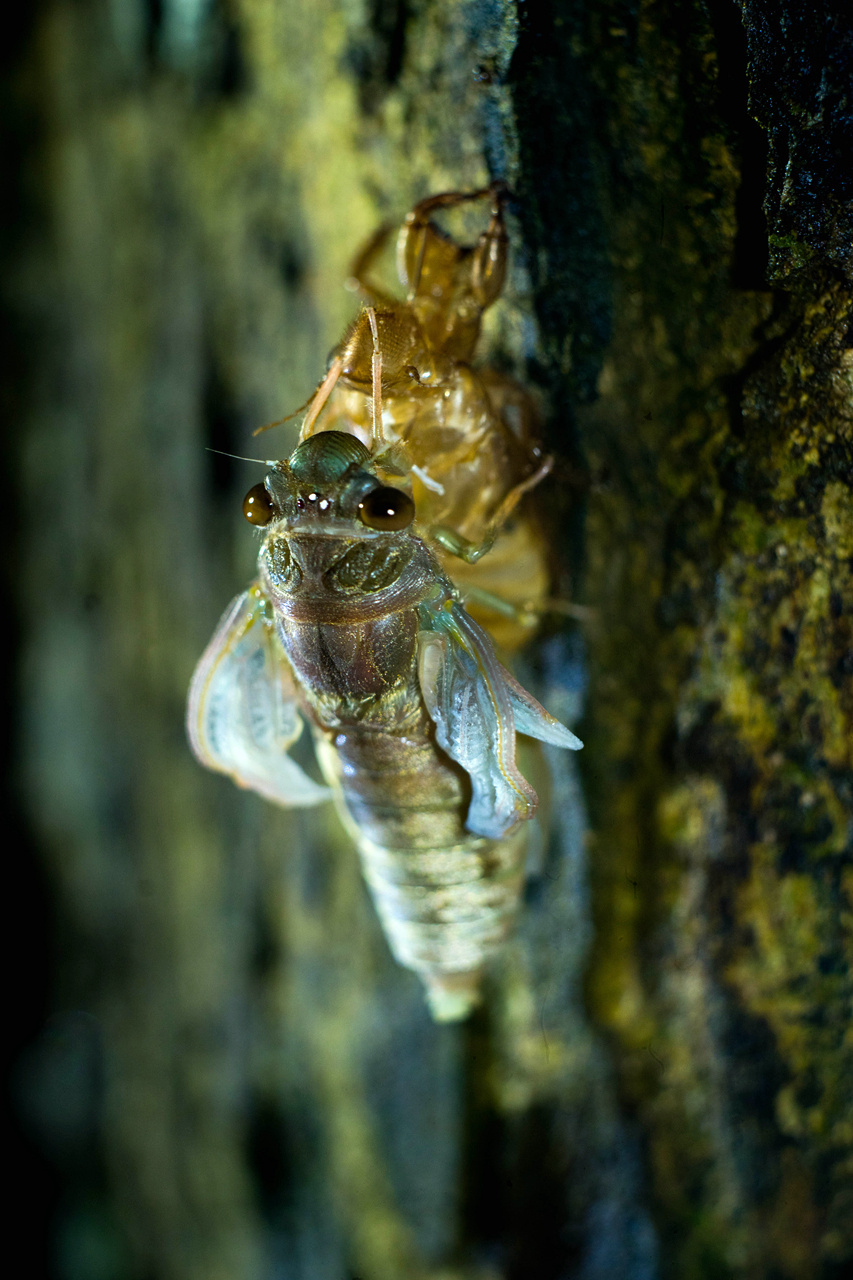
(477, 706)
(241, 712)
(532, 719)
(467, 698)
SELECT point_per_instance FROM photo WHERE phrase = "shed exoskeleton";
(353, 625)
(402, 380)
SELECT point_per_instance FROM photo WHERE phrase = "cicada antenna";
(264, 462)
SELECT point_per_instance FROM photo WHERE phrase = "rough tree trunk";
(236, 1081)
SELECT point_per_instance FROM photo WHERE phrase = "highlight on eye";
(386, 509)
(257, 506)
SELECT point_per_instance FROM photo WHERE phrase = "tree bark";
(235, 1080)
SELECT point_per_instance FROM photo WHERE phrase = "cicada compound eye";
(257, 506)
(386, 509)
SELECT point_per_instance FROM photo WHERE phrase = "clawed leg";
(488, 269)
(458, 546)
(516, 493)
(527, 614)
(489, 257)
(531, 612)
(471, 552)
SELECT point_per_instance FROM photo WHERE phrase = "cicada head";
(335, 527)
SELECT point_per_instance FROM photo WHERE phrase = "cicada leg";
(515, 494)
(320, 397)
(531, 612)
(376, 381)
(458, 546)
(471, 552)
(488, 268)
(505, 591)
(510, 622)
(420, 241)
(313, 404)
(338, 368)
(526, 615)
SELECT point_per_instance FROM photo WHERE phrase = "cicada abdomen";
(354, 625)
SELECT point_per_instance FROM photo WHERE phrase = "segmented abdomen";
(446, 898)
(446, 911)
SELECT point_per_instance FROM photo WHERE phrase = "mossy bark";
(237, 1080)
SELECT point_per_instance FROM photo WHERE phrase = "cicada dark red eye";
(257, 506)
(386, 509)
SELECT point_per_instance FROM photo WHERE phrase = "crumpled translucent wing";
(532, 718)
(474, 725)
(241, 712)
(476, 706)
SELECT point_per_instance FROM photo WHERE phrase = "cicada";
(389, 527)
(353, 625)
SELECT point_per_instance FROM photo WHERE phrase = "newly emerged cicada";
(408, 468)
(353, 624)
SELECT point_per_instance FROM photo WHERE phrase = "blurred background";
(218, 1072)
